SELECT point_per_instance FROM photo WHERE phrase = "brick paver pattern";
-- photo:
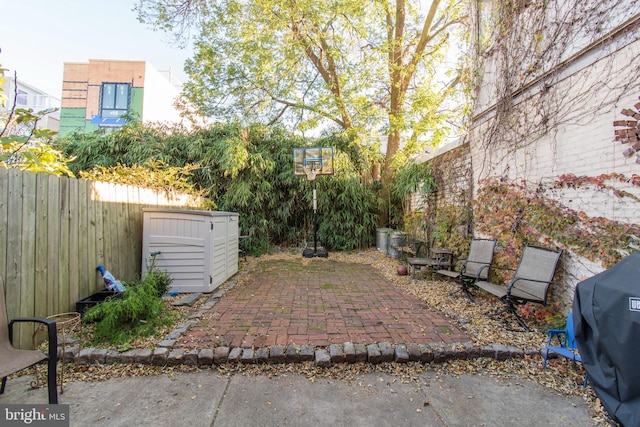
(318, 302)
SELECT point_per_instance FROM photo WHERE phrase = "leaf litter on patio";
(560, 375)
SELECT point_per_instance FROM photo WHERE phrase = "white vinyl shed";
(198, 249)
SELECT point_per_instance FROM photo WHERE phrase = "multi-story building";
(556, 111)
(25, 96)
(101, 94)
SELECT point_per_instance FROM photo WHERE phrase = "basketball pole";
(311, 161)
(315, 219)
(307, 253)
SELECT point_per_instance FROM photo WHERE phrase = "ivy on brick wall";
(517, 213)
(452, 228)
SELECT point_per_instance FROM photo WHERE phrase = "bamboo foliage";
(54, 231)
(245, 170)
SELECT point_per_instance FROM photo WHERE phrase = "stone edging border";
(321, 356)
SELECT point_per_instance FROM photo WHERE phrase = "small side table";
(66, 324)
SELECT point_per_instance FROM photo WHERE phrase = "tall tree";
(365, 66)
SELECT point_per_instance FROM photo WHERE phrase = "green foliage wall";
(249, 171)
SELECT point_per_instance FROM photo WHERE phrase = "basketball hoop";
(311, 171)
(313, 161)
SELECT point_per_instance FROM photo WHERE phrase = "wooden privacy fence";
(54, 231)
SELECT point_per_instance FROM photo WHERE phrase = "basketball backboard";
(320, 159)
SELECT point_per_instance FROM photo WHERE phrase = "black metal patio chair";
(530, 282)
(13, 360)
(474, 268)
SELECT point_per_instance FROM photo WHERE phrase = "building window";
(115, 100)
(22, 98)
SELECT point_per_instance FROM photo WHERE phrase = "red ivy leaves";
(573, 181)
(516, 214)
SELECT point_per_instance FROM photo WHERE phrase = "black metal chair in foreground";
(474, 268)
(530, 282)
(13, 360)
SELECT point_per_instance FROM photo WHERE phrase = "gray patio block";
(188, 299)
(220, 355)
(292, 354)
(197, 315)
(426, 353)
(84, 357)
(361, 353)
(159, 356)
(276, 354)
(94, 357)
(248, 356)
(70, 354)
(205, 357)
(455, 351)
(373, 354)
(307, 353)
(349, 352)
(322, 358)
(128, 356)
(471, 350)
(488, 351)
(439, 353)
(414, 352)
(401, 354)
(335, 353)
(191, 357)
(113, 356)
(235, 354)
(175, 356)
(143, 355)
(533, 352)
(262, 355)
(386, 351)
(515, 352)
(502, 352)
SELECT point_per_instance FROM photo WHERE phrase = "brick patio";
(318, 302)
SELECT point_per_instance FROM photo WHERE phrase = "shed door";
(232, 245)
(218, 250)
(183, 243)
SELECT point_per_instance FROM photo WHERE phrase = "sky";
(38, 36)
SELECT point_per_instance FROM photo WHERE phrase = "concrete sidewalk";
(208, 398)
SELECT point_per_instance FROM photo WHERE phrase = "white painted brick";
(582, 143)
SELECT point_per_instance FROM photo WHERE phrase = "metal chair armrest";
(513, 282)
(52, 331)
(481, 269)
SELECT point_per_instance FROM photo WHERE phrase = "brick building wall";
(151, 96)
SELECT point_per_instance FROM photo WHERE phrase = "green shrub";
(139, 313)
(159, 280)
